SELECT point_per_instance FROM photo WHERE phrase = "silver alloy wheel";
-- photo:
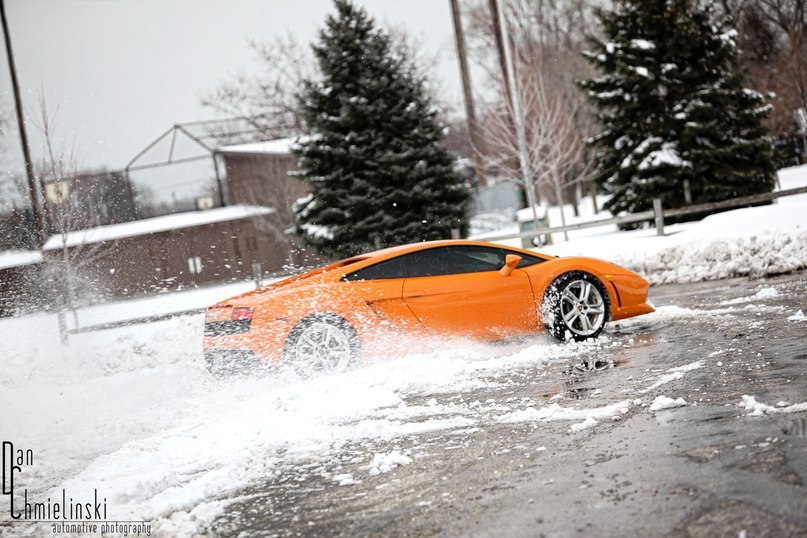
(582, 308)
(323, 347)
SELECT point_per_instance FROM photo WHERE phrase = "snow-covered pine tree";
(378, 171)
(674, 107)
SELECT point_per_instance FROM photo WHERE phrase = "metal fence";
(657, 214)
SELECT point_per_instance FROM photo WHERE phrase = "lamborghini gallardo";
(328, 318)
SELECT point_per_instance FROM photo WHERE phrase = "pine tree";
(378, 172)
(674, 108)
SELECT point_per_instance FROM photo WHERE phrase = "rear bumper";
(263, 344)
(232, 361)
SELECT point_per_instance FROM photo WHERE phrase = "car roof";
(392, 252)
(347, 266)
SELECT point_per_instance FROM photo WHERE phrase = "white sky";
(123, 71)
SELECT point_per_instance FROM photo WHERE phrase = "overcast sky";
(123, 71)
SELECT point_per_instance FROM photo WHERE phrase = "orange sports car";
(324, 319)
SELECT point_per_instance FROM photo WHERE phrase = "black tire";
(321, 344)
(568, 317)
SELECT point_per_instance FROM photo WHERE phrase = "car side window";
(393, 268)
(453, 260)
(526, 259)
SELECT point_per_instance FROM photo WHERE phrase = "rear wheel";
(576, 306)
(322, 344)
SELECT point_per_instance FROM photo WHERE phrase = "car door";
(458, 290)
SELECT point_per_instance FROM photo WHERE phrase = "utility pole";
(26, 153)
(518, 118)
(497, 35)
(470, 114)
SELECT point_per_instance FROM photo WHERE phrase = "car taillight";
(242, 313)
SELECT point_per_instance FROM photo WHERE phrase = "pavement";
(708, 468)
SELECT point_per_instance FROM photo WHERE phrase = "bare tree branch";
(60, 169)
(267, 97)
(547, 40)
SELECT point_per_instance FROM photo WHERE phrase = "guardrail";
(657, 214)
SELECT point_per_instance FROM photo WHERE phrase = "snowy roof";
(18, 258)
(281, 146)
(156, 224)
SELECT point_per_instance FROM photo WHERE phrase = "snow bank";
(698, 257)
(752, 242)
(745, 242)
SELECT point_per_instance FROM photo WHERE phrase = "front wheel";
(577, 306)
(321, 344)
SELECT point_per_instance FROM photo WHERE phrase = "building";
(19, 270)
(248, 235)
(260, 173)
(169, 252)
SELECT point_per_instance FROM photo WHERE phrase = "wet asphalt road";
(707, 469)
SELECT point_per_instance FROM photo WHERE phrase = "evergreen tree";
(674, 108)
(378, 172)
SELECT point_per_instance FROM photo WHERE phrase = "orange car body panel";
(477, 305)
(483, 305)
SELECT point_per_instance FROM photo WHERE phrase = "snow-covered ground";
(755, 241)
(132, 412)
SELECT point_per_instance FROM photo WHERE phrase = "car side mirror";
(510, 263)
